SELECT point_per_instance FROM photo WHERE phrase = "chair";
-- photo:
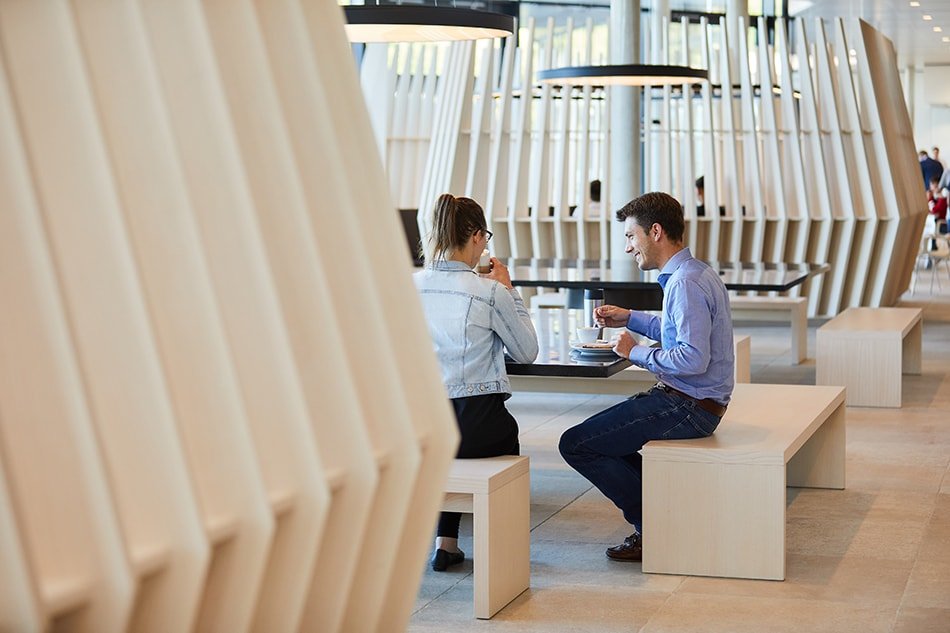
(933, 258)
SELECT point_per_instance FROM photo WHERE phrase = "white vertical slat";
(710, 149)
(687, 189)
(602, 248)
(817, 197)
(840, 187)
(398, 138)
(476, 177)
(753, 233)
(496, 194)
(379, 82)
(519, 167)
(731, 175)
(19, 610)
(449, 147)
(435, 56)
(667, 162)
(302, 271)
(406, 383)
(889, 139)
(57, 489)
(539, 174)
(107, 315)
(792, 170)
(584, 151)
(407, 194)
(775, 197)
(562, 154)
(864, 188)
(458, 154)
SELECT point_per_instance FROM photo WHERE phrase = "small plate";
(596, 346)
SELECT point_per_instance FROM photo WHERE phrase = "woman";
(471, 317)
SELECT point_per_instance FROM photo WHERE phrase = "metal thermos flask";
(593, 298)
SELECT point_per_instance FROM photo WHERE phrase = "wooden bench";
(623, 383)
(715, 506)
(867, 350)
(791, 309)
(497, 492)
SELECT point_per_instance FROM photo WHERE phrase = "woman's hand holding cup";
(499, 272)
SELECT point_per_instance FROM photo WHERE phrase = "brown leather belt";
(706, 404)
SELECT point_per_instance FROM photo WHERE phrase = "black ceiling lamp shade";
(416, 23)
(624, 75)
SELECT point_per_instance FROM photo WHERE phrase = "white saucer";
(595, 347)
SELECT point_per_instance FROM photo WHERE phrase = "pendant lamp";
(423, 23)
(624, 75)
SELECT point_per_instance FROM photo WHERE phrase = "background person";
(472, 319)
(929, 168)
(694, 365)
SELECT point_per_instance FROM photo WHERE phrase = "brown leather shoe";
(631, 550)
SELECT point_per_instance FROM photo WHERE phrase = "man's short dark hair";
(701, 182)
(656, 208)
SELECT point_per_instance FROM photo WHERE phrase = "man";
(694, 365)
(929, 168)
(701, 199)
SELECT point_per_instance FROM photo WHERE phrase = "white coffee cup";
(587, 334)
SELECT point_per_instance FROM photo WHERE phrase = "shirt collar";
(672, 265)
(450, 265)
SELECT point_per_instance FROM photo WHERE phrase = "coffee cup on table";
(588, 334)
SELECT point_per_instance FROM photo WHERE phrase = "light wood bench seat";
(497, 492)
(793, 310)
(715, 506)
(867, 350)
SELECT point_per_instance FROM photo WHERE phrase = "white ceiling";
(913, 37)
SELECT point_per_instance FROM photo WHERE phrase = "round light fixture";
(624, 75)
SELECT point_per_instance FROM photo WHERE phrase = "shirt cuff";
(640, 355)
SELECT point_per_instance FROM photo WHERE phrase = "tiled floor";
(874, 557)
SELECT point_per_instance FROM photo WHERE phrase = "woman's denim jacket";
(471, 319)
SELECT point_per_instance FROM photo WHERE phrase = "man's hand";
(624, 343)
(611, 316)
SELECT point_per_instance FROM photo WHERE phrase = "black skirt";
(486, 427)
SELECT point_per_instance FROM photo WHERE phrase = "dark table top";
(626, 275)
(573, 364)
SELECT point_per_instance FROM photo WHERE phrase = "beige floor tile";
(935, 542)
(913, 620)
(733, 614)
(836, 579)
(929, 585)
(892, 505)
(872, 475)
(865, 538)
(567, 608)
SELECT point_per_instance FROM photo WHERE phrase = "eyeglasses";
(488, 234)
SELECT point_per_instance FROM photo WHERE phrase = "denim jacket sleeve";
(512, 322)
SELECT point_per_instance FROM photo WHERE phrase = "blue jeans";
(603, 448)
